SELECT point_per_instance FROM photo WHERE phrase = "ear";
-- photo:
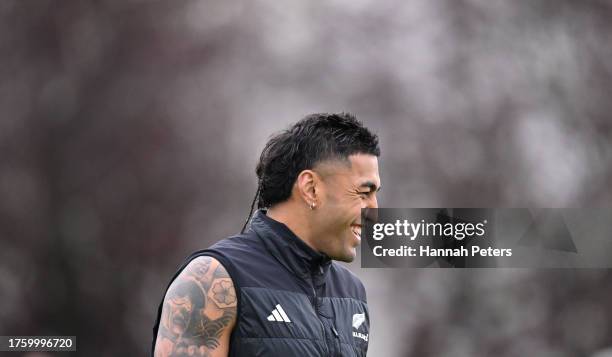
(307, 186)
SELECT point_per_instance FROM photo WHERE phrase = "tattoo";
(210, 330)
(199, 311)
(223, 293)
(200, 268)
(220, 272)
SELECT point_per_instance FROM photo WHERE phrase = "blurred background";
(129, 133)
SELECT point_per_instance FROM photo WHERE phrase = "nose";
(370, 213)
(370, 202)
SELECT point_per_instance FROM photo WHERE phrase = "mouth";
(356, 229)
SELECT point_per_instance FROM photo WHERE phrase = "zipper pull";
(335, 332)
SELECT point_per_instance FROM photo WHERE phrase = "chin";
(347, 257)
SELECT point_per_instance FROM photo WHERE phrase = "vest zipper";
(337, 347)
(315, 303)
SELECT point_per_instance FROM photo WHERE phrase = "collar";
(290, 251)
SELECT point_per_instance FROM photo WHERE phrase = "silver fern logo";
(358, 319)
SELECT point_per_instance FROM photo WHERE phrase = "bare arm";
(199, 312)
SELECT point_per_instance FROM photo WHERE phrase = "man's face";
(345, 189)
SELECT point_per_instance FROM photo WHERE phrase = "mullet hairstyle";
(314, 139)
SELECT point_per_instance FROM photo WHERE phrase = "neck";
(295, 219)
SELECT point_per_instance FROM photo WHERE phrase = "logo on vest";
(278, 315)
(358, 320)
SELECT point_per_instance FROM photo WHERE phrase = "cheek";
(345, 202)
(353, 208)
(339, 212)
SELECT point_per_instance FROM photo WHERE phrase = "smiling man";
(274, 289)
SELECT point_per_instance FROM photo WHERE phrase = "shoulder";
(236, 243)
(346, 283)
(242, 250)
(199, 310)
(210, 276)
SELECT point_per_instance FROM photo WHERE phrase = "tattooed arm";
(199, 312)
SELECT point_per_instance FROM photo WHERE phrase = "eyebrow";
(371, 185)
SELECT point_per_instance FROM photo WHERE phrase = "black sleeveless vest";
(292, 300)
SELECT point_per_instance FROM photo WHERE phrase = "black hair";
(314, 139)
